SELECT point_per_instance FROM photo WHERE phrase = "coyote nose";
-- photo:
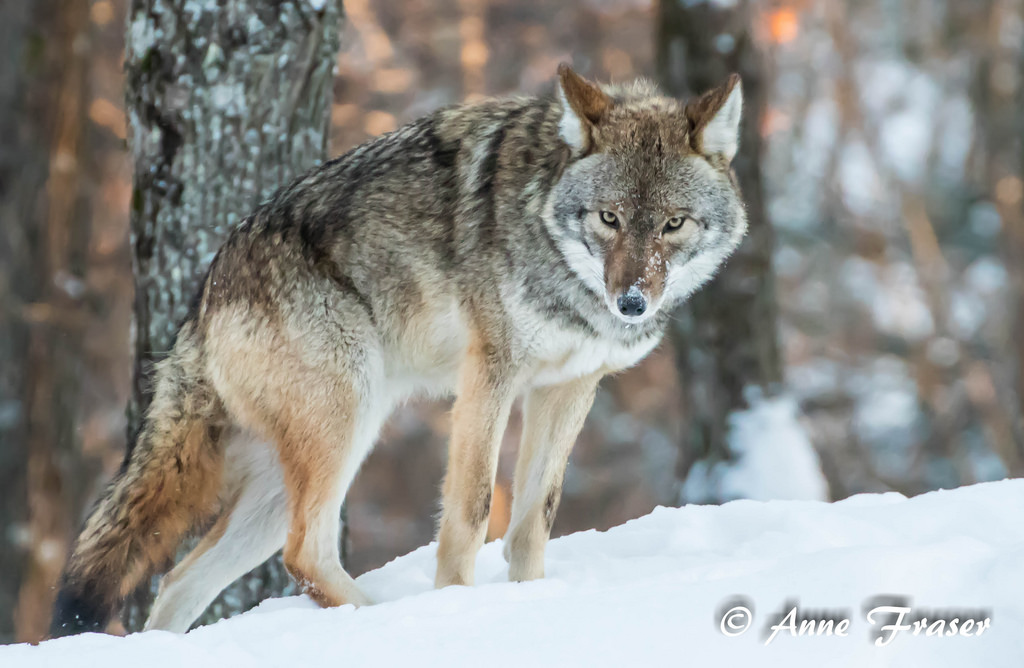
(632, 303)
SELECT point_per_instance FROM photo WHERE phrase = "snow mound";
(651, 593)
(774, 459)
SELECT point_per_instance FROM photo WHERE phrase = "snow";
(651, 593)
(858, 176)
(986, 276)
(886, 402)
(892, 293)
(774, 459)
(902, 103)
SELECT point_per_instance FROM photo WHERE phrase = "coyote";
(517, 246)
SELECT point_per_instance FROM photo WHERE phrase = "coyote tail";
(169, 481)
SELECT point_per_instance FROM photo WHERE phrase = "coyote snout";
(635, 296)
(635, 267)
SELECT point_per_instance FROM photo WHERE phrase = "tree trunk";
(725, 339)
(226, 102)
(998, 102)
(43, 146)
(18, 164)
(1017, 254)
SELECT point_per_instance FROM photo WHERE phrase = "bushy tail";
(169, 482)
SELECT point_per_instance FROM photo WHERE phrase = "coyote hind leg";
(314, 385)
(249, 531)
(322, 446)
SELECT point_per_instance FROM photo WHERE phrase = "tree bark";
(18, 163)
(725, 339)
(43, 148)
(226, 102)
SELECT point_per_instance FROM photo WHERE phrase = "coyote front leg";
(552, 419)
(486, 389)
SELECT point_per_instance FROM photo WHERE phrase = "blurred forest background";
(880, 314)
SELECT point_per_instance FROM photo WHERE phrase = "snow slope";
(650, 593)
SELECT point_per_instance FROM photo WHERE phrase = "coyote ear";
(583, 107)
(715, 119)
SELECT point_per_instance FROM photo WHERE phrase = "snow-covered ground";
(652, 593)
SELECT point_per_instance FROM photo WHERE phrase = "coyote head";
(648, 209)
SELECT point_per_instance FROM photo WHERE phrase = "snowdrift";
(653, 592)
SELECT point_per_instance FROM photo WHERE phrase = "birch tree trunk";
(725, 339)
(226, 101)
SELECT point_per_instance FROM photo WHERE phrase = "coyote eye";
(676, 222)
(609, 219)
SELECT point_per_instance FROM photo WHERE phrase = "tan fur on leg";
(322, 407)
(319, 462)
(485, 396)
(553, 417)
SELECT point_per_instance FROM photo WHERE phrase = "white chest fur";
(565, 357)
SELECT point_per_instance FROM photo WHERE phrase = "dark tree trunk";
(226, 101)
(1017, 257)
(999, 113)
(18, 163)
(43, 237)
(725, 339)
